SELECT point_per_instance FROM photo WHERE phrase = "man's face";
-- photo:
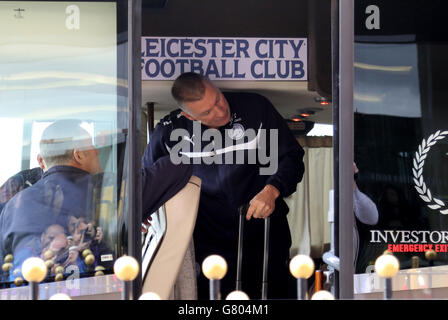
(92, 161)
(212, 110)
(89, 160)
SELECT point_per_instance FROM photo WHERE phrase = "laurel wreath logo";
(419, 161)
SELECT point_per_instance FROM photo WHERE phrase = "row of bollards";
(301, 267)
(126, 270)
(214, 268)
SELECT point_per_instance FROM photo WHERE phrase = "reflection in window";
(58, 90)
(387, 80)
(400, 101)
(38, 128)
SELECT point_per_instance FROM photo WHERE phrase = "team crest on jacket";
(237, 131)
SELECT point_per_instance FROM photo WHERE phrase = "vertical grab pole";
(343, 75)
(264, 288)
(242, 211)
(134, 219)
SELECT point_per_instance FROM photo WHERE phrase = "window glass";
(12, 128)
(400, 133)
(62, 137)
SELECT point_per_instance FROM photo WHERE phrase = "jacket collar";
(63, 169)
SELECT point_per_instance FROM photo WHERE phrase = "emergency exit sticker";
(271, 59)
(107, 257)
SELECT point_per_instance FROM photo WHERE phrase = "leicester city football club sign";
(272, 59)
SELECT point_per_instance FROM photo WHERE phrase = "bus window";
(63, 135)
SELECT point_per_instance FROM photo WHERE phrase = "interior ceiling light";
(368, 98)
(322, 101)
(305, 114)
(382, 68)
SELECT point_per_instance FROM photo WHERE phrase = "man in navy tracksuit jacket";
(71, 172)
(228, 184)
(70, 188)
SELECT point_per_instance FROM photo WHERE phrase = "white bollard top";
(34, 269)
(126, 268)
(60, 296)
(301, 266)
(149, 296)
(214, 267)
(237, 295)
(387, 266)
(322, 295)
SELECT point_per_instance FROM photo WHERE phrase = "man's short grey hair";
(188, 87)
(60, 139)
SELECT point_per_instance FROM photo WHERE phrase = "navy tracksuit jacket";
(63, 191)
(225, 187)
